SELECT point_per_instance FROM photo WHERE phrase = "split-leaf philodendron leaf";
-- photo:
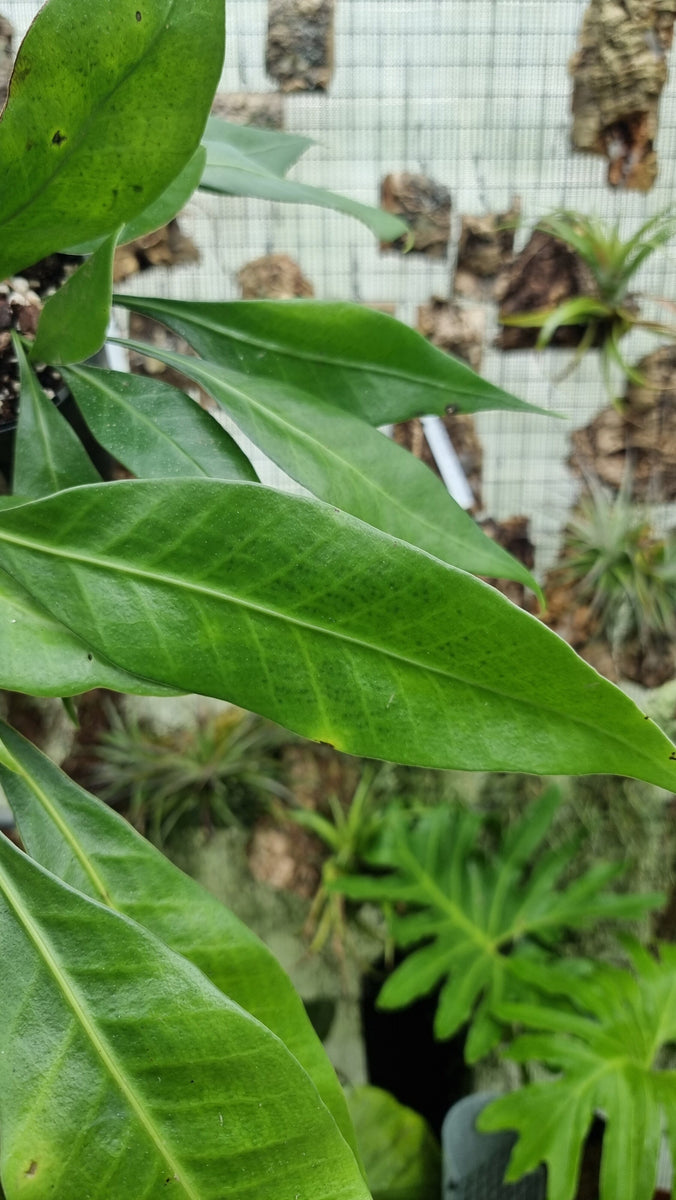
(290, 608)
(471, 916)
(354, 357)
(125, 1072)
(603, 1037)
(83, 141)
(87, 845)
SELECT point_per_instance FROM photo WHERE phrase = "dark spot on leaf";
(32, 1169)
(90, 657)
(138, 16)
(137, 187)
(672, 756)
(58, 138)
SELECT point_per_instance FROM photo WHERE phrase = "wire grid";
(476, 94)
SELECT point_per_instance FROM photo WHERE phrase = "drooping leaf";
(162, 210)
(400, 1153)
(155, 430)
(342, 460)
(477, 915)
(94, 129)
(292, 609)
(41, 656)
(127, 1073)
(269, 149)
(242, 161)
(74, 320)
(606, 1055)
(87, 845)
(354, 357)
(48, 455)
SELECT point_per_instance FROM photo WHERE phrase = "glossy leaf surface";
(87, 845)
(128, 1074)
(470, 916)
(605, 1045)
(41, 656)
(48, 455)
(242, 161)
(162, 210)
(295, 610)
(346, 462)
(91, 135)
(155, 430)
(362, 360)
(74, 320)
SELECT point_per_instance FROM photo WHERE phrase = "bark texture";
(619, 70)
(299, 52)
(425, 205)
(273, 277)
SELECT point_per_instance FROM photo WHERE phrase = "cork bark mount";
(619, 70)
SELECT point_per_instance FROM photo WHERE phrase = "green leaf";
(48, 455)
(162, 210)
(294, 610)
(354, 357)
(346, 462)
(242, 161)
(269, 149)
(74, 320)
(399, 1150)
(40, 656)
(155, 430)
(123, 1047)
(90, 847)
(95, 128)
(482, 914)
(607, 1061)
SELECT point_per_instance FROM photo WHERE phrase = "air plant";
(610, 310)
(620, 568)
(219, 771)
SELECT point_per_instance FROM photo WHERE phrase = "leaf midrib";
(99, 1044)
(202, 373)
(249, 605)
(80, 137)
(137, 415)
(283, 351)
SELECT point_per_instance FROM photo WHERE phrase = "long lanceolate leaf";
(48, 456)
(478, 916)
(356, 358)
(606, 1055)
(299, 612)
(346, 462)
(125, 1073)
(253, 162)
(155, 430)
(90, 847)
(91, 135)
